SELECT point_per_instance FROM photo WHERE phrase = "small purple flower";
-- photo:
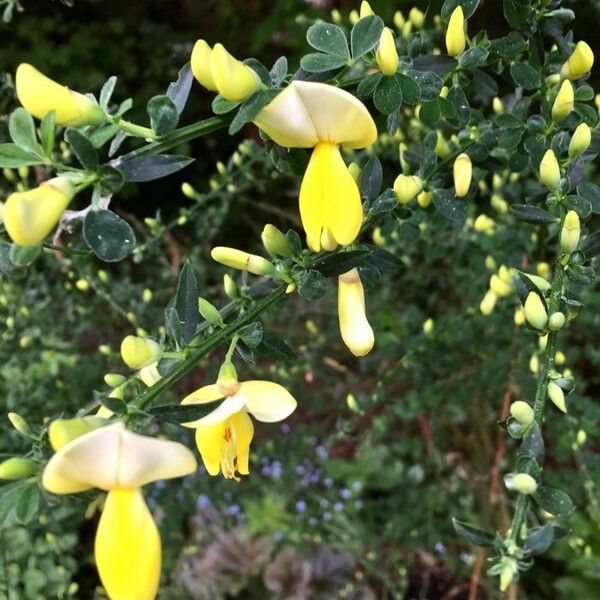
(338, 507)
(285, 428)
(440, 548)
(327, 516)
(346, 494)
(358, 504)
(312, 521)
(300, 506)
(233, 510)
(277, 536)
(328, 482)
(323, 503)
(202, 502)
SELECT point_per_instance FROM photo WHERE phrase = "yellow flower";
(417, 18)
(354, 326)
(30, 216)
(580, 141)
(40, 95)
(127, 546)
(138, 352)
(579, 63)
(549, 170)
(365, 9)
(406, 187)
(570, 233)
(455, 34)
(387, 55)
(564, 101)
(535, 311)
(463, 171)
(219, 71)
(488, 303)
(320, 116)
(223, 436)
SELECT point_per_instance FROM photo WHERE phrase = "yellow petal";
(210, 439)
(201, 65)
(228, 407)
(329, 198)
(307, 113)
(127, 547)
(30, 216)
(208, 393)
(244, 432)
(234, 80)
(354, 326)
(150, 374)
(267, 401)
(40, 95)
(113, 457)
(564, 101)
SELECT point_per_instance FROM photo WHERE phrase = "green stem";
(136, 130)
(204, 347)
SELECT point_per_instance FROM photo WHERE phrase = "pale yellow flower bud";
(230, 287)
(417, 18)
(82, 285)
(354, 326)
(535, 311)
(424, 199)
(210, 312)
(556, 321)
(508, 573)
(40, 95)
(63, 431)
(235, 81)
(387, 55)
(336, 16)
(484, 224)
(549, 170)
(399, 20)
(441, 146)
(582, 137)
(560, 358)
(581, 437)
(275, 242)
(455, 34)
(407, 187)
(499, 287)
(564, 102)
(354, 17)
(522, 412)
(488, 303)
(19, 423)
(114, 380)
(17, 468)
(579, 63)
(497, 105)
(519, 317)
(534, 363)
(556, 394)
(523, 483)
(365, 9)
(463, 172)
(30, 216)
(139, 352)
(543, 270)
(570, 233)
(243, 261)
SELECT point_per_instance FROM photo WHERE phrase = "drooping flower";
(320, 116)
(127, 546)
(223, 436)
(218, 71)
(40, 95)
(354, 326)
(30, 216)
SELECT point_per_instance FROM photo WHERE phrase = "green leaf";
(251, 334)
(179, 90)
(509, 46)
(22, 256)
(473, 58)
(19, 502)
(554, 501)
(312, 285)
(533, 444)
(430, 112)
(316, 62)
(336, 263)
(221, 106)
(449, 205)
(250, 109)
(186, 302)
(584, 93)
(461, 105)
(384, 203)
(115, 405)
(83, 149)
(365, 35)
(328, 38)
(539, 539)
(107, 91)
(516, 13)
(525, 76)
(476, 536)
(468, 6)
(181, 413)
(278, 71)
(591, 245)
(108, 236)
(275, 348)
(12, 157)
(366, 86)
(148, 168)
(370, 179)
(591, 192)
(580, 275)
(163, 114)
(28, 503)
(388, 95)
(48, 132)
(22, 131)
(411, 92)
(581, 206)
(531, 214)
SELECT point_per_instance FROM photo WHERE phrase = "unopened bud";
(556, 394)
(550, 171)
(17, 468)
(150, 375)
(428, 326)
(455, 34)
(424, 199)
(387, 55)
(534, 363)
(441, 146)
(500, 287)
(139, 352)
(522, 412)
(417, 18)
(355, 171)
(579, 63)
(581, 437)
(114, 380)
(230, 287)
(407, 187)
(560, 358)
(497, 105)
(519, 317)
(570, 233)
(275, 241)
(147, 295)
(523, 483)
(488, 303)
(535, 311)
(20, 424)
(581, 140)
(556, 321)
(352, 403)
(356, 332)
(508, 573)
(564, 102)
(210, 313)
(237, 259)
(463, 172)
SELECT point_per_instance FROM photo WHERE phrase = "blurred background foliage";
(353, 496)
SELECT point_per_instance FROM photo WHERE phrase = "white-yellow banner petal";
(228, 407)
(267, 401)
(307, 112)
(113, 457)
(128, 548)
(208, 393)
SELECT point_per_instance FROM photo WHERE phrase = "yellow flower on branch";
(564, 102)
(127, 546)
(223, 436)
(30, 216)
(320, 116)
(354, 326)
(579, 63)
(455, 34)
(40, 95)
(387, 54)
